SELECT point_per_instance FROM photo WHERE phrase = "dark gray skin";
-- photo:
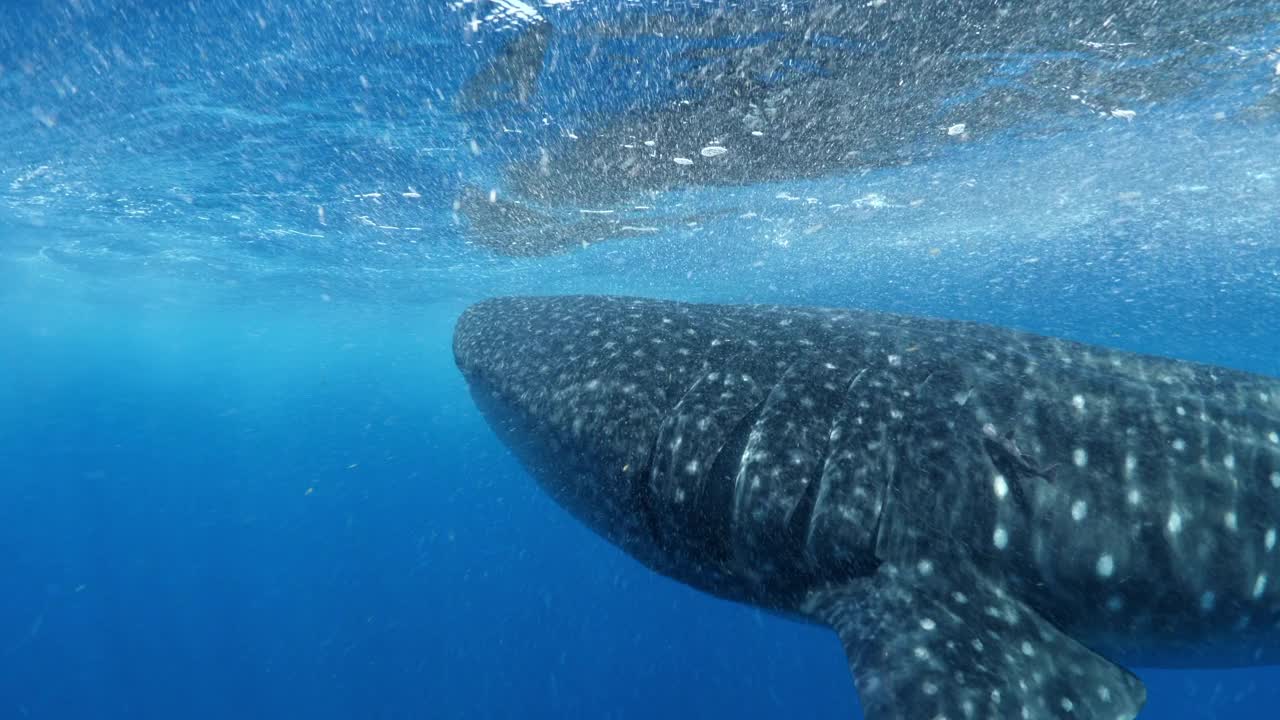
(989, 519)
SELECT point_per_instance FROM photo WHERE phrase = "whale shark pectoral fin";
(944, 644)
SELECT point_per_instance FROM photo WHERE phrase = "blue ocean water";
(241, 476)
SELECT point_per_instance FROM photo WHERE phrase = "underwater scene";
(897, 359)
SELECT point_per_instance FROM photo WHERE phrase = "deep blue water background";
(232, 514)
(241, 477)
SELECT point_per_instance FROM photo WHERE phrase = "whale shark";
(995, 523)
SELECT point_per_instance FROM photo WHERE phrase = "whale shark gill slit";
(725, 469)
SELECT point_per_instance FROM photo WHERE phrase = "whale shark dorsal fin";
(931, 641)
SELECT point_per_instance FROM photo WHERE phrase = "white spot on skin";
(1000, 538)
(711, 151)
(1080, 457)
(1259, 586)
(1077, 402)
(1135, 497)
(1269, 541)
(1175, 522)
(1104, 693)
(921, 653)
(1229, 519)
(1106, 566)
(1179, 444)
(925, 567)
(1274, 437)
(1027, 649)
(1067, 705)
(928, 624)
(1230, 462)
(1275, 480)
(1001, 486)
(929, 688)
(1079, 510)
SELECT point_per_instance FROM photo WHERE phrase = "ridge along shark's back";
(976, 511)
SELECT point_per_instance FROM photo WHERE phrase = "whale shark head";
(637, 416)
(579, 405)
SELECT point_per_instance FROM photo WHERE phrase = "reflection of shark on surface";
(513, 74)
(515, 228)
(748, 92)
(863, 471)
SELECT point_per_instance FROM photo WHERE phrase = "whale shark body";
(993, 522)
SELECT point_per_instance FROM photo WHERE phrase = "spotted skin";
(864, 470)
